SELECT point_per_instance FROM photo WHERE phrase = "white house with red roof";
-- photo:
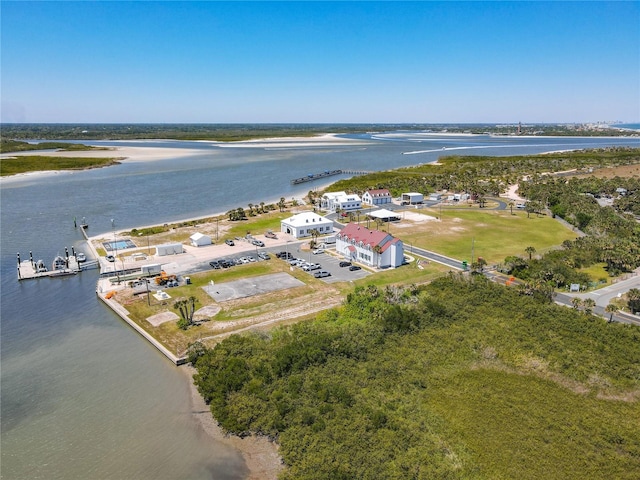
(369, 247)
(378, 196)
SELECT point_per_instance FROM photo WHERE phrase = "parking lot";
(300, 259)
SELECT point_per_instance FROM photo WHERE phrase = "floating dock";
(69, 265)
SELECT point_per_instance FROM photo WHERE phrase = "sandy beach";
(260, 453)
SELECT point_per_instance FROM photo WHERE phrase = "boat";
(81, 257)
(62, 273)
(59, 263)
(40, 266)
(315, 176)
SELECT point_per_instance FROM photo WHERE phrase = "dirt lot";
(621, 171)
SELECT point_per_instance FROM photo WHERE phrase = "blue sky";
(317, 62)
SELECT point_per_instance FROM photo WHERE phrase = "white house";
(302, 224)
(200, 240)
(370, 247)
(376, 197)
(345, 202)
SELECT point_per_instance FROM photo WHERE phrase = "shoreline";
(259, 453)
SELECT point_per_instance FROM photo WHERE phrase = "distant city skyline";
(320, 62)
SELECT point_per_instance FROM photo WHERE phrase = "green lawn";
(492, 234)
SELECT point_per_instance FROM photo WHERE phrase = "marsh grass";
(38, 163)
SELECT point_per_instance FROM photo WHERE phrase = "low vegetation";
(38, 163)
(7, 145)
(457, 379)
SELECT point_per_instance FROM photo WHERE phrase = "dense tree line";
(486, 176)
(235, 132)
(364, 391)
(612, 232)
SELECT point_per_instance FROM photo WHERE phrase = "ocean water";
(83, 395)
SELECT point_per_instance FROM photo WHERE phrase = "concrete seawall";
(124, 314)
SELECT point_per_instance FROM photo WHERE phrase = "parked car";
(353, 268)
(251, 258)
(317, 251)
(229, 242)
(257, 243)
(284, 255)
(310, 267)
(321, 274)
(215, 264)
(345, 264)
(110, 258)
(264, 256)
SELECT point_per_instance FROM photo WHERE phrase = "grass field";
(491, 234)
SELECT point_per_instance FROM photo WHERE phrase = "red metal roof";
(353, 231)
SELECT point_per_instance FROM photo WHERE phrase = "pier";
(327, 173)
(315, 176)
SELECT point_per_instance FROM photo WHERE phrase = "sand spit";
(326, 140)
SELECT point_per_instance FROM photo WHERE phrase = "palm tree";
(530, 250)
(314, 235)
(589, 304)
(281, 204)
(186, 308)
(511, 207)
(611, 309)
(378, 251)
(576, 302)
(261, 207)
(633, 299)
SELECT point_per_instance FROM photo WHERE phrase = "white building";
(377, 197)
(345, 202)
(412, 198)
(169, 249)
(302, 224)
(369, 247)
(200, 240)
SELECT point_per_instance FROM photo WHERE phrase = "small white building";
(377, 197)
(169, 249)
(200, 240)
(369, 247)
(345, 202)
(302, 224)
(412, 198)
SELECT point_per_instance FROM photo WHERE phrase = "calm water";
(85, 397)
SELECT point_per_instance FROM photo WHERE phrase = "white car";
(317, 251)
(310, 267)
